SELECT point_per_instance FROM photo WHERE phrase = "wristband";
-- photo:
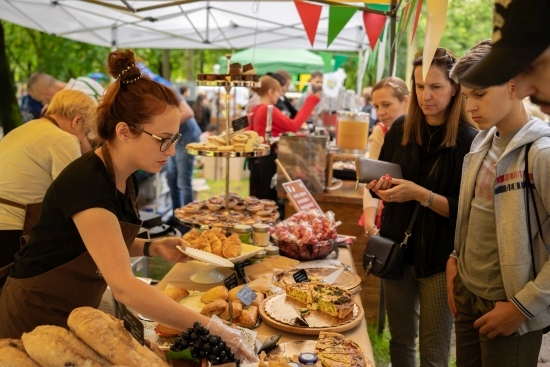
(146, 247)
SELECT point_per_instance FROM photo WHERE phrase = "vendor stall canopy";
(181, 24)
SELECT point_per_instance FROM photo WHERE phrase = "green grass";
(380, 344)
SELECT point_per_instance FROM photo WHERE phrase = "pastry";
(239, 147)
(232, 246)
(107, 336)
(247, 67)
(175, 293)
(214, 308)
(191, 235)
(248, 317)
(334, 350)
(239, 138)
(166, 331)
(52, 346)
(13, 357)
(237, 310)
(323, 297)
(219, 292)
(233, 293)
(259, 298)
(226, 148)
(250, 133)
(13, 343)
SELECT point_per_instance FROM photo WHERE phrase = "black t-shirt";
(55, 240)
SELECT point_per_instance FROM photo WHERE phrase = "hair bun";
(122, 65)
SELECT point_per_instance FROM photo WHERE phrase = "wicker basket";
(305, 252)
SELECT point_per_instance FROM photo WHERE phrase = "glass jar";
(259, 257)
(260, 234)
(307, 359)
(352, 132)
(244, 231)
(272, 251)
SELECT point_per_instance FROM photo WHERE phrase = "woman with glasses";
(429, 143)
(87, 229)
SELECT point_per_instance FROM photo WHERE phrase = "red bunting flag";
(310, 15)
(374, 24)
(417, 15)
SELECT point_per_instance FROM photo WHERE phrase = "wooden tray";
(347, 280)
(308, 330)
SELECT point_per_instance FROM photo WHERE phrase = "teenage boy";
(521, 50)
(499, 297)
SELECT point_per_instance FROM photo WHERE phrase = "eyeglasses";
(165, 143)
(439, 52)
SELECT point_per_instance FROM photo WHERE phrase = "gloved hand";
(233, 338)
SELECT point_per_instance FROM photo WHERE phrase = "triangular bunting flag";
(309, 14)
(417, 15)
(339, 60)
(380, 7)
(374, 24)
(338, 17)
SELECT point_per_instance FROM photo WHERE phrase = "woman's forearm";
(439, 204)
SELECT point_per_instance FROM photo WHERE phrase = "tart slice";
(323, 297)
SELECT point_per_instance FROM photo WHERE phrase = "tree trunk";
(189, 72)
(10, 115)
(166, 64)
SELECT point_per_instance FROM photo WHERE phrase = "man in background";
(520, 50)
(42, 87)
(315, 85)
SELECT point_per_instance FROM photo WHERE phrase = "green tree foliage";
(9, 110)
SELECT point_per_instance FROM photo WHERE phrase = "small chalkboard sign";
(239, 267)
(300, 276)
(240, 123)
(231, 281)
(246, 295)
(132, 324)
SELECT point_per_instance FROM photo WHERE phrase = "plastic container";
(244, 231)
(260, 234)
(352, 132)
(305, 252)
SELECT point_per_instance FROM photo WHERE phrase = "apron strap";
(129, 182)
(51, 119)
(13, 203)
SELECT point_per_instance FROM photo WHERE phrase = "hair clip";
(125, 70)
(132, 80)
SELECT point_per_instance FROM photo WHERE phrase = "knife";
(331, 278)
(300, 317)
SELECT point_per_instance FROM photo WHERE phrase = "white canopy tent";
(184, 24)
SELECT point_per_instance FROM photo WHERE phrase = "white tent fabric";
(181, 24)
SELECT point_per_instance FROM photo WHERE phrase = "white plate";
(206, 257)
(247, 252)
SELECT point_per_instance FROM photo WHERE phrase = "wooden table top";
(180, 273)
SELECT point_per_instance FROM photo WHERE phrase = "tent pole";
(207, 40)
(393, 48)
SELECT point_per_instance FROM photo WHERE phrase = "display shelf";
(214, 153)
(224, 83)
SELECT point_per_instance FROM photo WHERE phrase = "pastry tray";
(215, 153)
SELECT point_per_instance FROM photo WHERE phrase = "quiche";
(323, 297)
(334, 350)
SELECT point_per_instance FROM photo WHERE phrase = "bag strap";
(408, 232)
(529, 188)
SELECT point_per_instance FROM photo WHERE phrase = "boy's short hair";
(470, 58)
(183, 89)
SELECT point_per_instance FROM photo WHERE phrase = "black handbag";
(383, 257)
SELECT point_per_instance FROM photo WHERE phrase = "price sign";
(231, 281)
(300, 276)
(246, 295)
(132, 324)
(240, 123)
(299, 196)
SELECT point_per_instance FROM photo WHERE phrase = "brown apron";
(49, 298)
(32, 212)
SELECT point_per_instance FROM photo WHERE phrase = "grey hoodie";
(531, 296)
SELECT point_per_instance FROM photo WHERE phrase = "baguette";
(107, 336)
(52, 346)
(13, 357)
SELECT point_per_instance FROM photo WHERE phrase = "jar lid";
(307, 358)
(261, 227)
(272, 250)
(260, 255)
(242, 228)
(293, 364)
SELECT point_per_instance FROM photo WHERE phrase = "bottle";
(260, 234)
(244, 231)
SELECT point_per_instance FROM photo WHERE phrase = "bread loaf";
(53, 346)
(219, 292)
(107, 336)
(13, 357)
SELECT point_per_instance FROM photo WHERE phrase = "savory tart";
(323, 297)
(334, 350)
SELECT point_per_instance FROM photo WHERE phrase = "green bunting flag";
(327, 60)
(339, 60)
(338, 17)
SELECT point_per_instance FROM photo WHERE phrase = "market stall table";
(347, 205)
(180, 273)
